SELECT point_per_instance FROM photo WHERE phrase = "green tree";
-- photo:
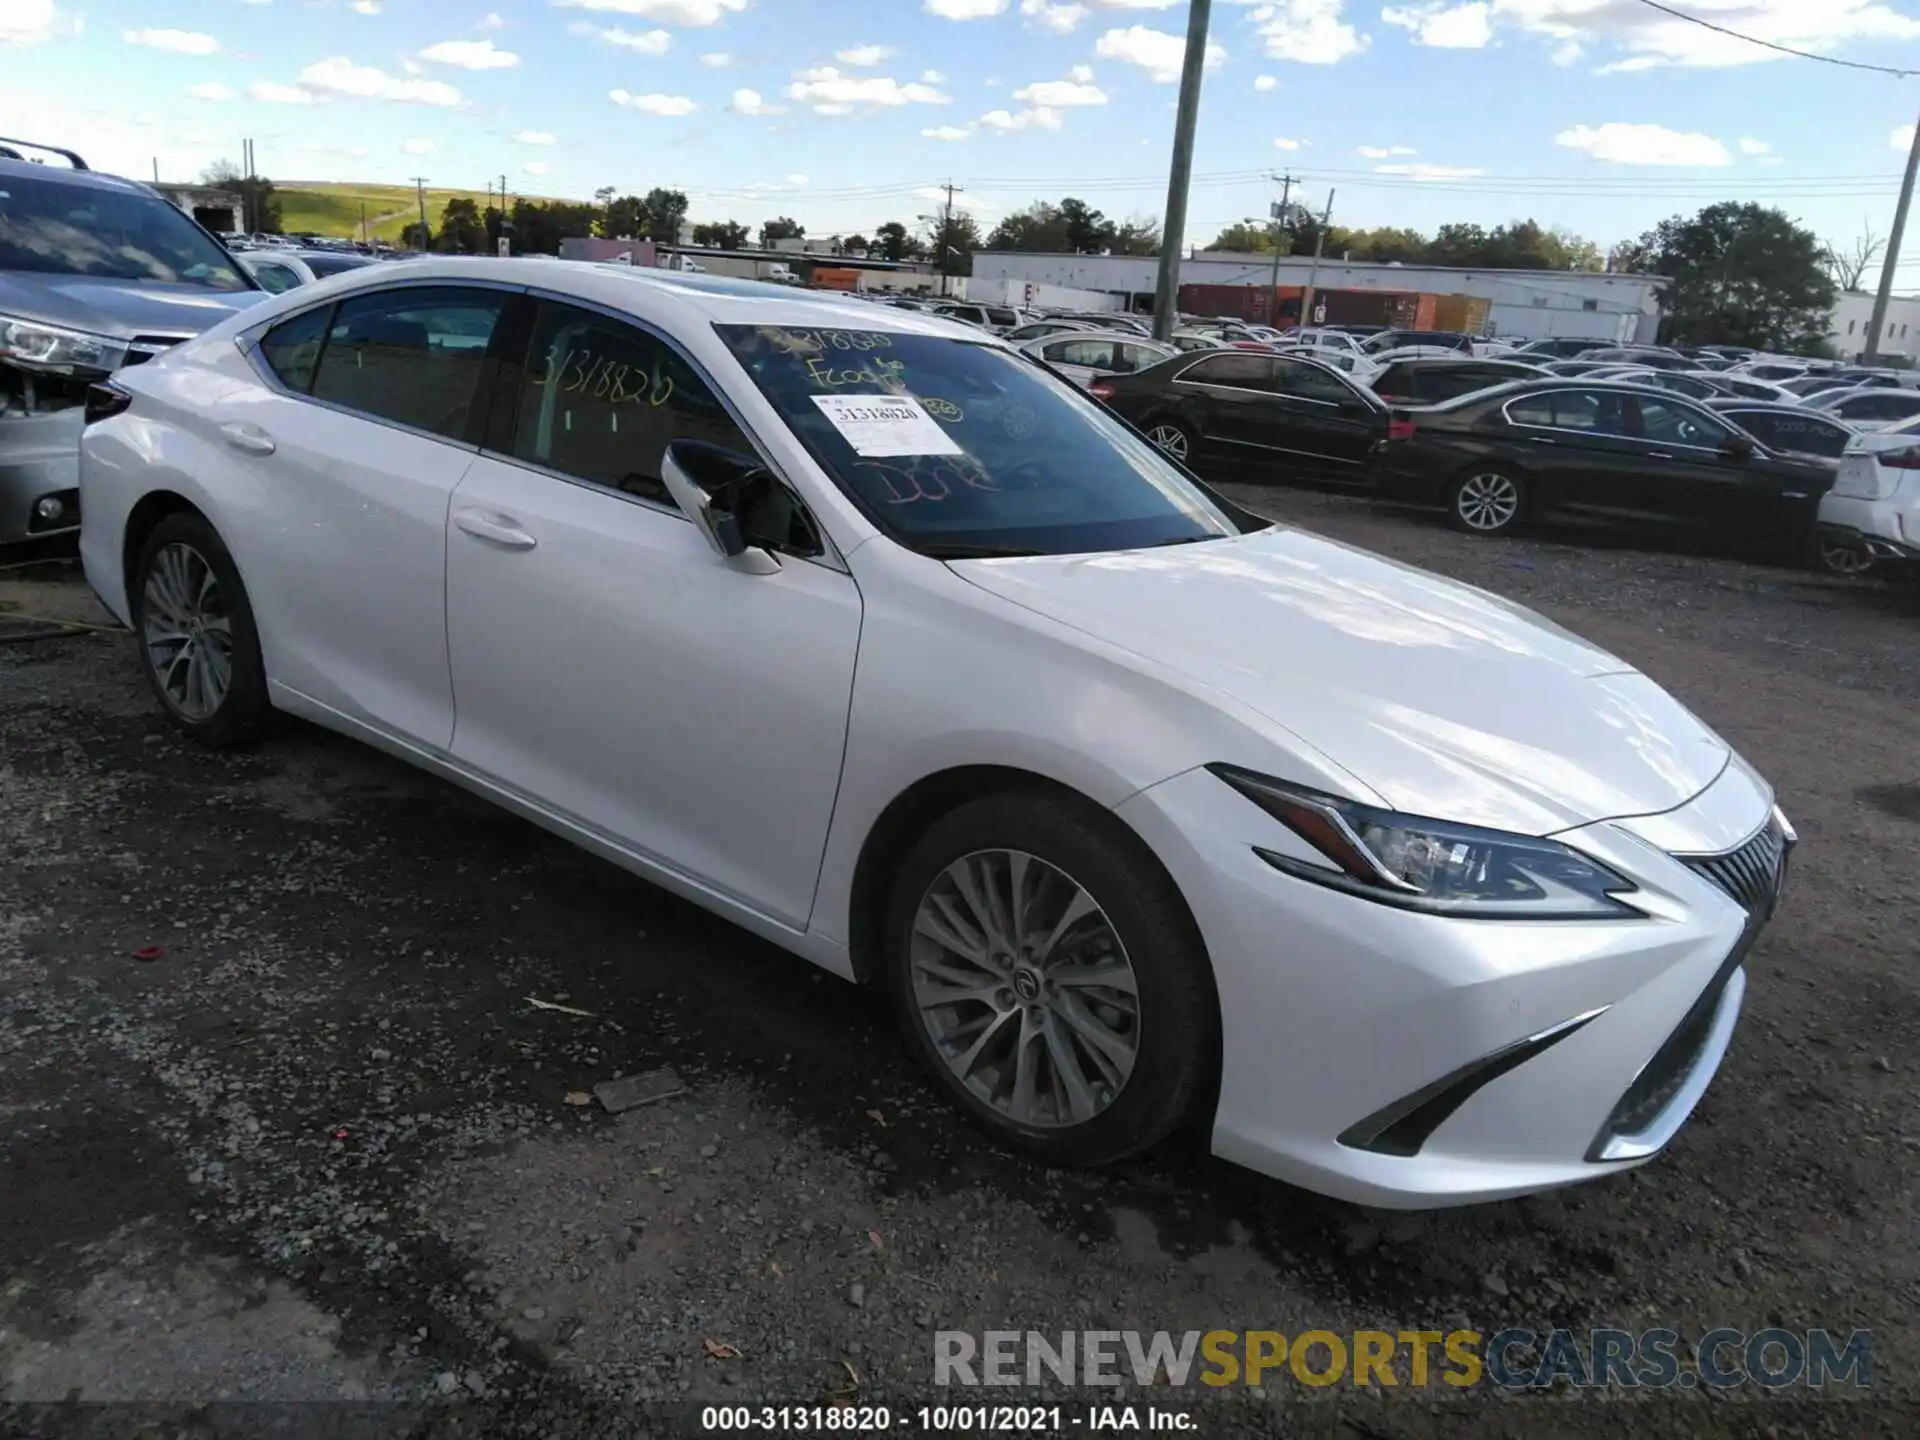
(781, 228)
(625, 218)
(1246, 238)
(1088, 232)
(722, 234)
(416, 236)
(664, 211)
(951, 240)
(856, 242)
(1738, 274)
(1136, 237)
(1040, 228)
(895, 242)
(461, 230)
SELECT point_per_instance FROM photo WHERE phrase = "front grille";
(1653, 1088)
(1752, 874)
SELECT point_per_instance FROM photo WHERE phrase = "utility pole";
(946, 230)
(1173, 235)
(420, 192)
(1279, 234)
(1313, 274)
(1878, 325)
(246, 188)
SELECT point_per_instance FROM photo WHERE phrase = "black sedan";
(1427, 382)
(1251, 408)
(1594, 450)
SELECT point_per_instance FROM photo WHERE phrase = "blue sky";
(1600, 115)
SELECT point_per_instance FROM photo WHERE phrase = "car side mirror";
(1738, 447)
(713, 487)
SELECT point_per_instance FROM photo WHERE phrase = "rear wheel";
(195, 630)
(1174, 438)
(1486, 501)
(1836, 557)
(1047, 975)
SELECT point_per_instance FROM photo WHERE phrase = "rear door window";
(413, 356)
(1670, 424)
(1306, 381)
(1243, 370)
(1597, 412)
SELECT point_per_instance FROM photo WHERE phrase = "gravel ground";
(324, 1147)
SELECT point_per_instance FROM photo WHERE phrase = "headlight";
(54, 351)
(1434, 865)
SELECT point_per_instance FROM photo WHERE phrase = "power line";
(1770, 45)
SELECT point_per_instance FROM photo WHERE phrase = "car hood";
(1441, 699)
(121, 309)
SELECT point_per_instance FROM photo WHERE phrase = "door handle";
(498, 529)
(242, 435)
(1658, 455)
(1542, 440)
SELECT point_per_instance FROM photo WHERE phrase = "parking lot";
(321, 1146)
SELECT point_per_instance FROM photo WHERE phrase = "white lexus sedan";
(866, 632)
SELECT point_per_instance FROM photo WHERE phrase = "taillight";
(1908, 459)
(105, 401)
(1101, 389)
(1399, 429)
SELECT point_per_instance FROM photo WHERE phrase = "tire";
(185, 584)
(1846, 561)
(1172, 1023)
(1487, 500)
(1175, 437)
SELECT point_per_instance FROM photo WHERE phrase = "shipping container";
(833, 278)
(1240, 302)
(1465, 313)
(1366, 307)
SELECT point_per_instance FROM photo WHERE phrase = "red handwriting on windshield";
(932, 479)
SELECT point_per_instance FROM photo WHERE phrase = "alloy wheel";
(1024, 988)
(187, 632)
(1488, 502)
(1841, 559)
(1170, 438)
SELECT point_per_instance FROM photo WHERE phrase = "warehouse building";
(1527, 304)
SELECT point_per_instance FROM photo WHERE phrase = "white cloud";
(367, 7)
(716, 60)
(1154, 51)
(829, 92)
(863, 56)
(1625, 144)
(1653, 39)
(272, 92)
(932, 77)
(653, 104)
(210, 90)
(535, 167)
(535, 137)
(1384, 152)
(29, 22)
(796, 179)
(418, 147)
(1309, 32)
(470, 55)
(965, 9)
(644, 42)
(750, 102)
(177, 42)
(1061, 19)
(696, 14)
(1750, 146)
(1568, 52)
(1281, 142)
(1902, 139)
(1445, 27)
(1011, 121)
(491, 21)
(1429, 172)
(1081, 73)
(1265, 82)
(337, 75)
(945, 132)
(326, 147)
(1058, 94)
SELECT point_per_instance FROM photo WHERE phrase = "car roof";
(78, 179)
(1772, 407)
(718, 299)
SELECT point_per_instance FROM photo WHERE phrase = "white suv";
(1875, 502)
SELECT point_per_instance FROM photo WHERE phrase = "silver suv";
(96, 272)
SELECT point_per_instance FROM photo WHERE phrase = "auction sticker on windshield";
(885, 425)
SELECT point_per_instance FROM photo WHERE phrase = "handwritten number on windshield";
(600, 377)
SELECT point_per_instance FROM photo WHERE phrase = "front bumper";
(1338, 1015)
(39, 459)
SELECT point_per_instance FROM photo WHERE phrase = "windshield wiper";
(973, 552)
(1184, 540)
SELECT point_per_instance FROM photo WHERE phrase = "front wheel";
(195, 630)
(1047, 975)
(1487, 502)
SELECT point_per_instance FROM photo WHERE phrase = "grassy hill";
(326, 208)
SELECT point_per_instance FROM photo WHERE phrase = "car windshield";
(53, 227)
(956, 448)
